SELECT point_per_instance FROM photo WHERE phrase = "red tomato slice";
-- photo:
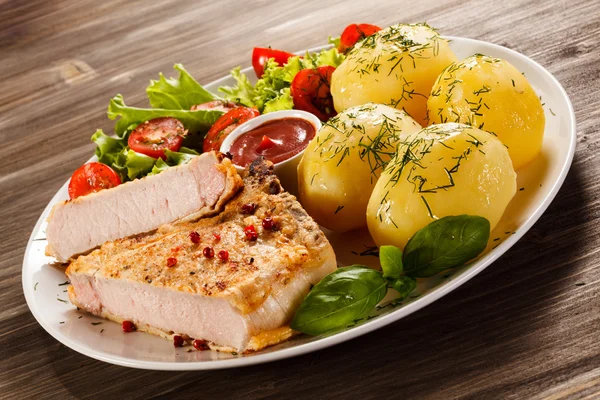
(353, 33)
(92, 177)
(153, 137)
(260, 55)
(220, 105)
(225, 125)
(310, 91)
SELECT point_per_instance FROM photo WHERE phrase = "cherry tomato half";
(153, 137)
(260, 55)
(219, 105)
(353, 33)
(310, 91)
(225, 125)
(92, 177)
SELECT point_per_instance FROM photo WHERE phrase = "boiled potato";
(342, 163)
(396, 66)
(446, 169)
(491, 94)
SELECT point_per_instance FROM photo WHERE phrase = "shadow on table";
(472, 341)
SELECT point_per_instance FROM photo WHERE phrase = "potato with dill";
(342, 163)
(491, 94)
(446, 169)
(397, 66)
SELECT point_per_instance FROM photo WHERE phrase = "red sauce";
(276, 140)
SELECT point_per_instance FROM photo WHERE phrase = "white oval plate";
(104, 340)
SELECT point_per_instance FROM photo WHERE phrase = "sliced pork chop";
(198, 188)
(167, 284)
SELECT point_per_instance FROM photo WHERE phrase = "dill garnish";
(484, 89)
(376, 149)
(427, 205)
(370, 251)
(313, 178)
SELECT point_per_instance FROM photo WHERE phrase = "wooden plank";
(524, 328)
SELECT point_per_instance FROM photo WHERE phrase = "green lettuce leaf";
(177, 94)
(335, 41)
(243, 92)
(130, 165)
(330, 57)
(271, 92)
(159, 167)
(183, 156)
(283, 101)
(138, 165)
(108, 147)
(179, 157)
(186, 150)
(129, 117)
(292, 67)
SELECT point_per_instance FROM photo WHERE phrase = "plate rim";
(348, 334)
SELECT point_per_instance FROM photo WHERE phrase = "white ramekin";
(286, 170)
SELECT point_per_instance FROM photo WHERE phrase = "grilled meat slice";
(178, 281)
(198, 188)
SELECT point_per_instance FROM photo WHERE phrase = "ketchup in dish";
(276, 140)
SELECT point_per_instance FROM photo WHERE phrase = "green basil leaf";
(345, 295)
(390, 258)
(177, 93)
(404, 285)
(446, 243)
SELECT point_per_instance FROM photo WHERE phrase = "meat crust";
(235, 304)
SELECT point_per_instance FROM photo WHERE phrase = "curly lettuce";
(272, 91)
(177, 94)
(335, 41)
(168, 97)
(183, 156)
(128, 118)
(129, 164)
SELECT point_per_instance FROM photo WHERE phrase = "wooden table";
(529, 326)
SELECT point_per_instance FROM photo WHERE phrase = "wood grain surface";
(528, 327)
